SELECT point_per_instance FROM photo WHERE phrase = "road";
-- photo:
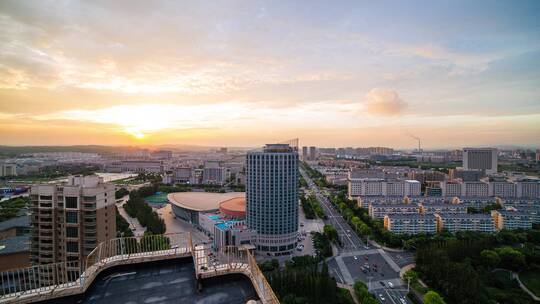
(351, 241)
(357, 261)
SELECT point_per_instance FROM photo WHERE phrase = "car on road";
(381, 296)
(390, 284)
(402, 300)
(355, 258)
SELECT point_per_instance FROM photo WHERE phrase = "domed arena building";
(188, 205)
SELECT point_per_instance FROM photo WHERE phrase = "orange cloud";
(384, 102)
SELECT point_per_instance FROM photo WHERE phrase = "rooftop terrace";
(171, 281)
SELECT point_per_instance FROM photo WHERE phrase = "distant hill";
(8, 151)
(12, 151)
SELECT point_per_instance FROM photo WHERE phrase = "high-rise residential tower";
(70, 219)
(312, 153)
(272, 197)
(305, 155)
(480, 158)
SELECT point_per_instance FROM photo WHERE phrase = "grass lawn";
(531, 279)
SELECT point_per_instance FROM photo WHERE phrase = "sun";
(139, 135)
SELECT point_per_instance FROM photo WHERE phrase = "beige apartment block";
(69, 219)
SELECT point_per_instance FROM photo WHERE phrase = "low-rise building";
(182, 175)
(410, 224)
(465, 222)
(503, 189)
(214, 173)
(451, 188)
(136, 166)
(383, 187)
(508, 219)
(533, 211)
(528, 189)
(475, 189)
(8, 169)
(16, 226)
(443, 208)
(378, 211)
(15, 252)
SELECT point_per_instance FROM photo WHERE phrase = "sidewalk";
(351, 290)
(134, 225)
(524, 288)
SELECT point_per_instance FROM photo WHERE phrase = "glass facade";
(272, 196)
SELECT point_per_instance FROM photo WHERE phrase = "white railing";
(66, 278)
(231, 259)
(56, 280)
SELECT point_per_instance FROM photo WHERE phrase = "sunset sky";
(242, 73)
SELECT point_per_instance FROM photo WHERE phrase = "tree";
(331, 233)
(431, 297)
(511, 258)
(120, 193)
(490, 258)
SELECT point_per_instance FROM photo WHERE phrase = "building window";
(72, 247)
(71, 217)
(89, 199)
(72, 232)
(71, 202)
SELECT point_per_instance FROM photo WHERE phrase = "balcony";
(45, 221)
(89, 206)
(46, 215)
(89, 222)
(89, 215)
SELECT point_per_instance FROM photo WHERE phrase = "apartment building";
(214, 173)
(451, 188)
(533, 211)
(477, 202)
(410, 224)
(475, 189)
(480, 158)
(528, 189)
(443, 208)
(378, 211)
(465, 222)
(412, 188)
(69, 219)
(8, 169)
(381, 187)
(509, 219)
(182, 175)
(503, 189)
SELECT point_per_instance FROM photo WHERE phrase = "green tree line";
(138, 208)
(304, 280)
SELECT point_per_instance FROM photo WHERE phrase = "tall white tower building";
(480, 158)
(272, 197)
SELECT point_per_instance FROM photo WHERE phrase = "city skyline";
(248, 73)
